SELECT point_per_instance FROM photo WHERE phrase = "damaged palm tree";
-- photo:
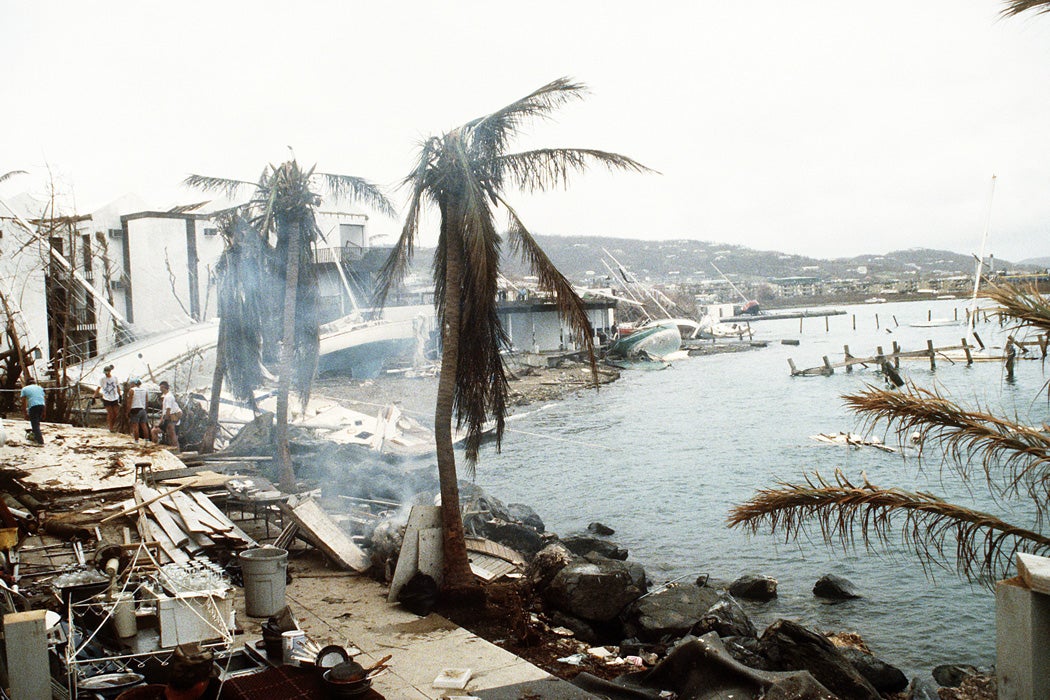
(243, 287)
(1012, 458)
(282, 209)
(464, 174)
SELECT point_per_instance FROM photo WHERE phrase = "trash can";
(263, 570)
(124, 614)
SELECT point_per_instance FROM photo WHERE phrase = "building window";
(116, 232)
(211, 232)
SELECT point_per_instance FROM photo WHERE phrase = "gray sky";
(821, 128)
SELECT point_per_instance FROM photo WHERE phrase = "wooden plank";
(188, 509)
(431, 554)
(160, 516)
(1034, 571)
(332, 540)
(419, 518)
(234, 532)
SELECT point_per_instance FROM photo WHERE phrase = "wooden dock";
(964, 353)
(781, 315)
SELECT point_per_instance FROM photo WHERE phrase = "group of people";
(109, 390)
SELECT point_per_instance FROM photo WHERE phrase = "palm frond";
(357, 189)
(547, 168)
(982, 545)
(1023, 305)
(1016, 7)
(228, 187)
(11, 174)
(491, 132)
(570, 306)
(1012, 456)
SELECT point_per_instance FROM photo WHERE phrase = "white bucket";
(124, 614)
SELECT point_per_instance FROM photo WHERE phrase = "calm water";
(662, 457)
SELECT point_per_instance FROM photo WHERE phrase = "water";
(663, 456)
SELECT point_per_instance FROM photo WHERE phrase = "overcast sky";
(813, 127)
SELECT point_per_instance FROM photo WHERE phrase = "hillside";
(579, 257)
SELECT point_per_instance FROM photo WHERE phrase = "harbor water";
(662, 456)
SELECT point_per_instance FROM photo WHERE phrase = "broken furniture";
(253, 496)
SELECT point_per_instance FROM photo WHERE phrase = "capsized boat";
(654, 342)
(363, 347)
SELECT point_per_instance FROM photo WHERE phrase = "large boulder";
(752, 587)
(671, 612)
(726, 617)
(593, 590)
(788, 646)
(600, 529)
(520, 538)
(883, 677)
(546, 565)
(835, 588)
(519, 512)
(585, 545)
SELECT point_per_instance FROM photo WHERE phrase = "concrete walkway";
(338, 608)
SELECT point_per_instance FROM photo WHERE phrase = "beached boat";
(654, 342)
(936, 323)
(363, 347)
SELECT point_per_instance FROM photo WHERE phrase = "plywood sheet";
(335, 543)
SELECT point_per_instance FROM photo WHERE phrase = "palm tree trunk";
(457, 573)
(286, 474)
(208, 441)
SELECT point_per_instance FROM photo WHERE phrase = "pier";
(964, 353)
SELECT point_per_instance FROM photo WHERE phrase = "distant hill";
(688, 261)
(691, 261)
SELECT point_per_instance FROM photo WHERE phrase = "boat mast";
(980, 259)
(746, 300)
(625, 273)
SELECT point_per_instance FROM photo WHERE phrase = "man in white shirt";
(170, 414)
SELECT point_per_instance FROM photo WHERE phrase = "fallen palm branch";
(983, 545)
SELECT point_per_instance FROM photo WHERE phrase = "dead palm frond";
(1023, 306)
(11, 174)
(981, 545)
(1016, 7)
(1013, 457)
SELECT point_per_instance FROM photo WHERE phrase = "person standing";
(170, 414)
(109, 389)
(33, 403)
(137, 416)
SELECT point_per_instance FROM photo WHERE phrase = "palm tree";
(464, 174)
(1012, 458)
(283, 207)
(243, 288)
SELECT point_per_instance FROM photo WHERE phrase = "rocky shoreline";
(582, 607)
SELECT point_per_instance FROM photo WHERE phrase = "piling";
(966, 349)
(933, 355)
(800, 325)
(854, 321)
(895, 323)
(848, 357)
(896, 353)
(1011, 357)
(929, 315)
(827, 366)
(826, 327)
(876, 322)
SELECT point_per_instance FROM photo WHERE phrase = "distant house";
(534, 325)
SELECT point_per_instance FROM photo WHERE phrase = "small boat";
(653, 342)
(713, 329)
(936, 323)
(875, 300)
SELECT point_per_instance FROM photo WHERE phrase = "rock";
(670, 612)
(883, 677)
(787, 646)
(584, 545)
(835, 588)
(727, 618)
(546, 565)
(594, 591)
(580, 628)
(746, 651)
(519, 512)
(922, 688)
(952, 675)
(601, 530)
(751, 587)
(520, 538)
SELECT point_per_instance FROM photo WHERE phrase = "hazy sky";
(814, 127)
